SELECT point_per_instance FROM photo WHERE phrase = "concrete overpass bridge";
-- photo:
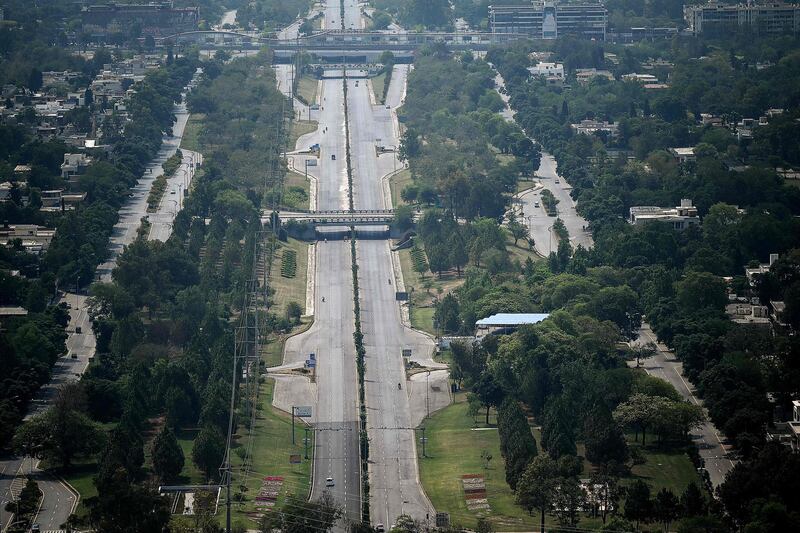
(366, 217)
(347, 40)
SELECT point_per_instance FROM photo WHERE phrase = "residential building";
(549, 19)
(591, 127)
(788, 433)
(683, 155)
(74, 165)
(56, 200)
(547, 70)
(640, 78)
(748, 314)
(752, 272)
(585, 75)
(760, 18)
(680, 217)
(35, 239)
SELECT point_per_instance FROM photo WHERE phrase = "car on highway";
(333, 157)
(329, 482)
(380, 528)
(557, 181)
(535, 204)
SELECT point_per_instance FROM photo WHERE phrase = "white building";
(680, 217)
(547, 70)
(591, 127)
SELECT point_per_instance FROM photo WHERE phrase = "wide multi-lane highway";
(394, 486)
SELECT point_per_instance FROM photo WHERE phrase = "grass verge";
(378, 83)
(191, 135)
(396, 185)
(300, 128)
(289, 289)
(271, 448)
(307, 89)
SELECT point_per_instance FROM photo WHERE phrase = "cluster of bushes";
(549, 202)
(289, 263)
(157, 190)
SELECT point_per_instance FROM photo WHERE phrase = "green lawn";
(191, 134)
(524, 185)
(396, 185)
(190, 473)
(454, 449)
(289, 289)
(81, 477)
(665, 469)
(520, 251)
(378, 83)
(300, 128)
(307, 89)
(271, 448)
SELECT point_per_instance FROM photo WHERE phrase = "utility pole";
(305, 441)
(424, 440)
(293, 425)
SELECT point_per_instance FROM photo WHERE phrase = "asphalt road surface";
(336, 453)
(130, 215)
(394, 483)
(172, 200)
(663, 364)
(539, 223)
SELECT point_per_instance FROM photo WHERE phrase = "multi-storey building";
(765, 18)
(550, 19)
(155, 18)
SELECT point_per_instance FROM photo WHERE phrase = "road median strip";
(358, 336)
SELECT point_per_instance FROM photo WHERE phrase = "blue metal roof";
(512, 319)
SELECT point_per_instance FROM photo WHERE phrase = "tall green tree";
(167, 455)
(537, 486)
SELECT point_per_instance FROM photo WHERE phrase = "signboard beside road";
(303, 411)
(300, 411)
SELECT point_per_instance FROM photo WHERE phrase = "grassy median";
(378, 83)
